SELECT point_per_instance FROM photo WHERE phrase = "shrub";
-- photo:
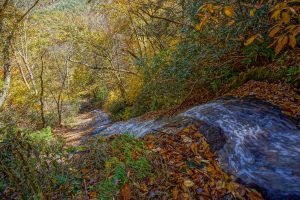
(33, 164)
(279, 74)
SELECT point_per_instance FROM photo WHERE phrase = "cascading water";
(259, 145)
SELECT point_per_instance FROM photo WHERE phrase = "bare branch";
(103, 68)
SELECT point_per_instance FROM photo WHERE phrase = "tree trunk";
(7, 73)
(42, 93)
(59, 112)
(22, 72)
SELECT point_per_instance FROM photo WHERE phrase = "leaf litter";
(157, 166)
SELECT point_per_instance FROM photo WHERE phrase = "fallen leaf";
(252, 12)
(194, 148)
(125, 192)
(228, 11)
(188, 183)
(144, 187)
(175, 193)
(92, 195)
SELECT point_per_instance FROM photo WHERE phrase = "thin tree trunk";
(22, 72)
(7, 73)
(6, 50)
(59, 111)
(42, 93)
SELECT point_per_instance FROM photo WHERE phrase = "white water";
(262, 146)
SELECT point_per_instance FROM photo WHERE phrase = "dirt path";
(78, 131)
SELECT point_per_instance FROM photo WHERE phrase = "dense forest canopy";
(138, 56)
(130, 57)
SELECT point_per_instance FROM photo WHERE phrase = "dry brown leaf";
(92, 195)
(125, 192)
(194, 148)
(274, 31)
(175, 193)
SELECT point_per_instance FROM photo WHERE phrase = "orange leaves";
(92, 195)
(194, 148)
(228, 11)
(184, 162)
(273, 31)
(285, 17)
(126, 192)
(175, 193)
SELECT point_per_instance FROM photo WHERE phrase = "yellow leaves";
(143, 187)
(250, 40)
(203, 22)
(198, 27)
(252, 12)
(230, 23)
(276, 14)
(228, 11)
(285, 17)
(282, 41)
(284, 14)
(210, 13)
(273, 31)
(188, 183)
(292, 41)
(207, 7)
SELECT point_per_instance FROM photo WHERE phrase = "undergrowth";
(37, 165)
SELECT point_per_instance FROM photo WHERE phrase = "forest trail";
(80, 129)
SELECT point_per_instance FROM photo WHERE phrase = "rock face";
(215, 136)
(254, 141)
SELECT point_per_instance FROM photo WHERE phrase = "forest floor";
(79, 130)
(156, 166)
(163, 166)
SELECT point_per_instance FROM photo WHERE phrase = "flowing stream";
(254, 141)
